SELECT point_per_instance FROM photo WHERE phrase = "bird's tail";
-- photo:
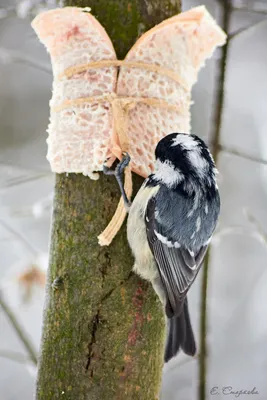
(180, 334)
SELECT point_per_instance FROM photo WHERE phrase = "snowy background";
(237, 298)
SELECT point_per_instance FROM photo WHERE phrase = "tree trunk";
(103, 328)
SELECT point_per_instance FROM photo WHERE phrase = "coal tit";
(170, 224)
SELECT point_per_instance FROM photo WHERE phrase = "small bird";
(170, 224)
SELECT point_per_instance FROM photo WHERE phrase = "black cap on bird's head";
(185, 157)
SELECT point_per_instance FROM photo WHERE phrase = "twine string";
(120, 109)
(166, 72)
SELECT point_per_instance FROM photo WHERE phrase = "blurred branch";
(7, 12)
(215, 136)
(258, 234)
(240, 31)
(15, 356)
(27, 170)
(10, 56)
(26, 243)
(237, 153)
(240, 5)
(239, 230)
(19, 330)
(219, 95)
(256, 224)
(258, 9)
(19, 180)
(37, 209)
(247, 28)
(239, 308)
(175, 366)
(28, 8)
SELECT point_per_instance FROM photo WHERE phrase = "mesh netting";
(101, 106)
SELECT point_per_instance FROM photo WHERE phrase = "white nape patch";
(206, 208)
(198, 223)
(198, 162)
(186, 141)
(167, 173)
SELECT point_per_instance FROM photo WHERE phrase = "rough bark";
(103, 328)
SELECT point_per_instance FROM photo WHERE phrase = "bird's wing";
(178, 267)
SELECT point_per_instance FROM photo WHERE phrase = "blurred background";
(237, 296)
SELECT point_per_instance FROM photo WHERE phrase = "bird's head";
(185, 159)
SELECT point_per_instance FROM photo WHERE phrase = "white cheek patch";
(167, 173)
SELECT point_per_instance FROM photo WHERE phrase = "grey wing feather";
(177, 267)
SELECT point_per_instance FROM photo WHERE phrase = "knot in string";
(120, 109)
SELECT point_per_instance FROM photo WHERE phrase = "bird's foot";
(118, 173)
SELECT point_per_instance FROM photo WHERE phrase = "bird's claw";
(122, 164)
(118, 171)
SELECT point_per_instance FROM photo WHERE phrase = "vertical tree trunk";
(103, 329)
